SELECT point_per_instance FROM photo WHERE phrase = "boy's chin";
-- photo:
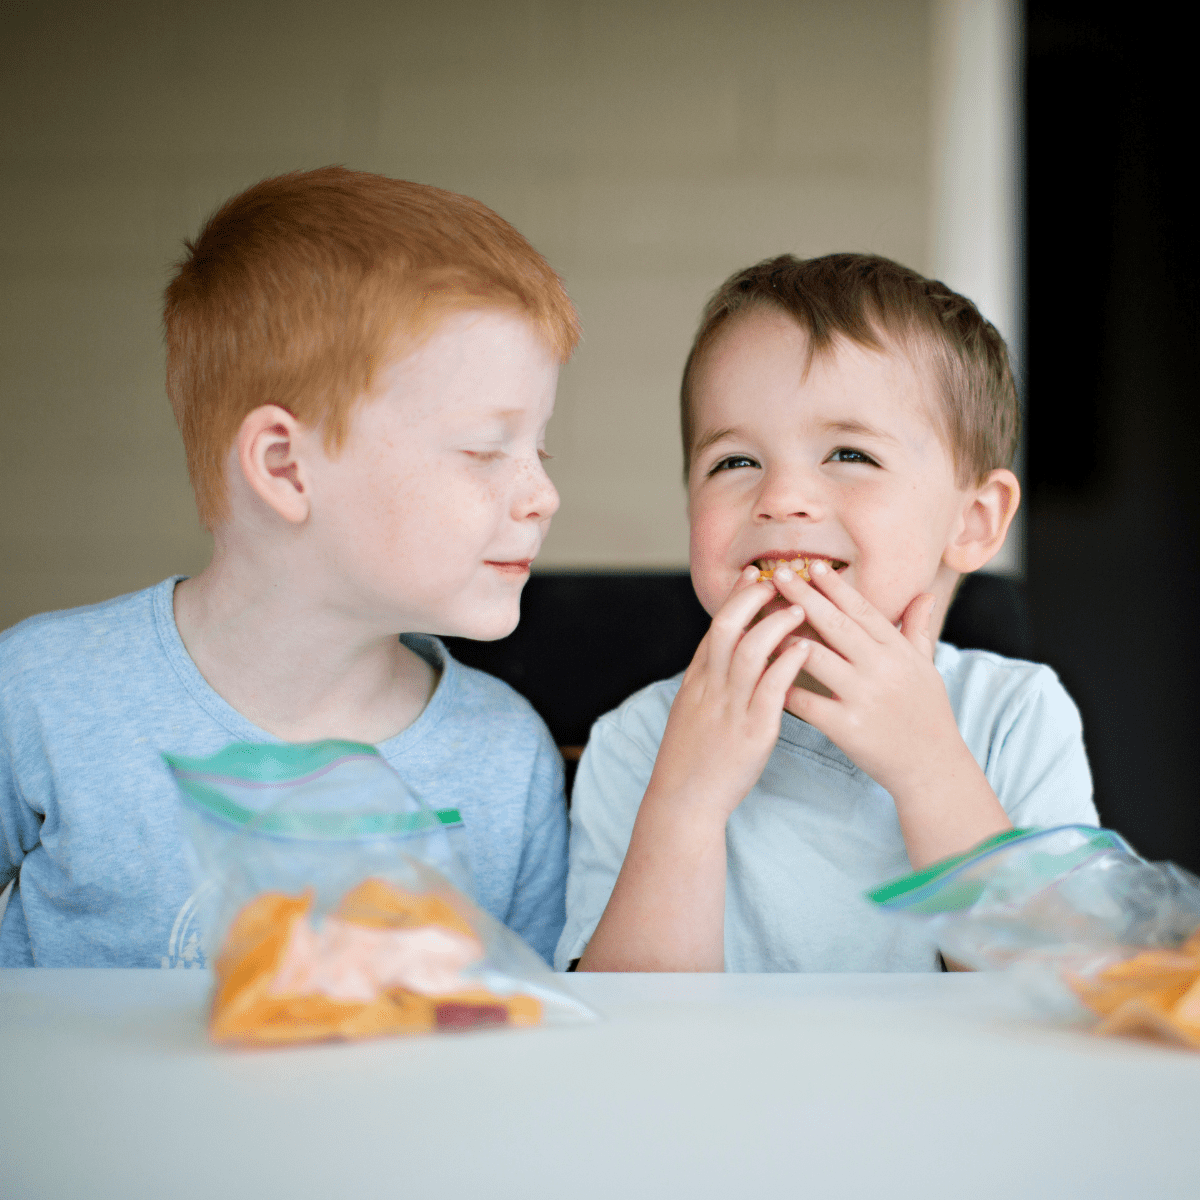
(484, 627)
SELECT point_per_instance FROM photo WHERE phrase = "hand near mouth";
(666, 912)
(888, 711)
(725, 718)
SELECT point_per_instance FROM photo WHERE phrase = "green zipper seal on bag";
(253, 762)
(918, 879)
(269, 764)
(936, 890)
(316, 825)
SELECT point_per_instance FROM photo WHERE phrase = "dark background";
(1113, 437)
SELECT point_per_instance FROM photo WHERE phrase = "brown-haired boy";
(848, 428)
(362, 370)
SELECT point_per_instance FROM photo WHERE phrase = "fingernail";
(750, 572)
(784, 573)
(796, 611)
(817, 567)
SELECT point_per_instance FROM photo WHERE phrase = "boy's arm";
(667, 908)
(609, 785)
(889, 714)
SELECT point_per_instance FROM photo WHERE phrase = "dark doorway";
(1113, 433)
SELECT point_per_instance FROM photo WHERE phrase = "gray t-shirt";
(815, 832)
(88, 812)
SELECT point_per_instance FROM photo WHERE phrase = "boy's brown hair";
(873, 301)
(300, 288)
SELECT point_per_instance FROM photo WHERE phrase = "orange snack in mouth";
(387, 962)
(800, 565)
(1153, 994)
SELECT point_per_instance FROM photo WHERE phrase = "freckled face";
(428, 519)
(842, 462)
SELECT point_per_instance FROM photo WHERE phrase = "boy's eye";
(732, 462)
(848, 455)
(484, 455)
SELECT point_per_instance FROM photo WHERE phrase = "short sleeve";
(609, 786)
(1038, 765)
(537, 908)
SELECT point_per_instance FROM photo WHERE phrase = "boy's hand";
(667, 908)
(725, 719)
(889, 703)
(890, 714)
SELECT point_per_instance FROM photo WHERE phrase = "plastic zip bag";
(336, 904)
(1078, 915)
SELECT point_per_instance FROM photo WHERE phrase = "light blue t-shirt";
(816, 832)
(89, 821)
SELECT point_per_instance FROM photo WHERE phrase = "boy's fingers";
(747, 579)
(830, 668)
(916, 621)
(836, 627)
(757, 645)
(851, 602)
(808, 706)
(728, 626)
(777, 679)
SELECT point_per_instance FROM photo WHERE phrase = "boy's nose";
(790, 495)
(538, 499)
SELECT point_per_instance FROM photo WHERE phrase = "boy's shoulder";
(54, 645)
(641, 718)
(972, 676)
(991, 694)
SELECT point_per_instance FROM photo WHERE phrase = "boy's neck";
(290, 662)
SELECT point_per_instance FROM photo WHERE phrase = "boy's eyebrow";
(503, 415)
(850, 428)
(712, 437)
(859, 428)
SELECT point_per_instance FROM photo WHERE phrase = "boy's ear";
(268, 452)
(986, 516)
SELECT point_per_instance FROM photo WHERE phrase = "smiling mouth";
(800, 564)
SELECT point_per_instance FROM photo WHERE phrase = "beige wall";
(648, 149)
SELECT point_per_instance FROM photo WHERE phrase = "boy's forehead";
(762, 366)
(448, 331)
(473, 365)
(462, 344)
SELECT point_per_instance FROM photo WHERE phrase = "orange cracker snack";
(377, 903)
(1155, 993)
(768, 566)
(387, 962)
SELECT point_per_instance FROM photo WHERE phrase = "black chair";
(587, 639)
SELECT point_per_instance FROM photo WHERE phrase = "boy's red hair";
(299, 288)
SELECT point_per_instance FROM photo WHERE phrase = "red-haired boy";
(362, 370)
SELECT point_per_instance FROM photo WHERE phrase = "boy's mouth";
(517, 567)
(800, 563)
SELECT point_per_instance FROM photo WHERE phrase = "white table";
(692, 1086)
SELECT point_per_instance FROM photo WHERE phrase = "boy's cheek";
(710, 577)
(891, 592)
